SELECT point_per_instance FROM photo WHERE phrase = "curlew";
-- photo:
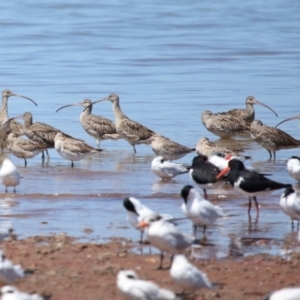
(73, 149)
(15, 126)
(271, 138)
(288, 119)
(133, 132)
(96, 126)
(224, 125)
(208, 148)
(25, 149)
(250, 182)
(248, 114)
(168, 149)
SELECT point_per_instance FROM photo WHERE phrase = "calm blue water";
(168, 62)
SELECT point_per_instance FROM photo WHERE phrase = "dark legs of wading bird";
(205, 194)
(72, 164)
(25, 162)
(250, 205)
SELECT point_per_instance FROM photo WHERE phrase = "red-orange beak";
(142, 224)
(222, 173)
(228, 157)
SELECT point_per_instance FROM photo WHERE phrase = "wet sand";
(66, 269)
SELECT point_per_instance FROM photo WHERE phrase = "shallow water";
(168, 62)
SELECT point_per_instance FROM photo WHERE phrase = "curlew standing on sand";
(73, 149)
(248, 114)
(14, 126)
(271, 138)
(208, 148)
(9, 174)
(98, 127)
(168, 149)
(22, 148)
(133, 132)
(224, 125)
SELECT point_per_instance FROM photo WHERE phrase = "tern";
(11, 293)
(290, 204)
(292, 293)
(9, 174)
(293, 167)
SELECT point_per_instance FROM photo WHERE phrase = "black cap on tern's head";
(288, 191)
(295, 157)
(129, 205)
(185, 192)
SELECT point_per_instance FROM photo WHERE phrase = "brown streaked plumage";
(288, 119)
(14, 125)
(133, 132)
(206, 147)
(73, 149)
(98, 127)
(271, 138)
(224, 125)
(167, 148)
(248, 114)
(22, 148)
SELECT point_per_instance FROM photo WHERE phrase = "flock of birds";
(213, 166)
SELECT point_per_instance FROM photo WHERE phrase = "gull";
(9, 174)
(165, 236)
(167, 148)
(23, 148)
(134, 288)
(9, 272)
(293, 167)
(250, 182)
(166, 169)
(290, 204)
(187, 275)
(200, 211)
(137, 212)
(11, 293)
(72, 149)
(292, 293)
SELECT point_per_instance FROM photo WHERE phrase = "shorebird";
(224, 125)
(205, 174)
(248, 114)
(168, 149)
(15, 126)
(290, 204)
(22, 148)
(293, 167)
(206, 147)
(250, 182)
(187, 275)
(73, 149)
(11, 293)
(39, 132)
(9, 174)
(271, 138)
(200, 211)
(288, 119)
(134, 288)
(292, 293)
(133, 132)
(165, 236)
(98, 127)
(166, 169)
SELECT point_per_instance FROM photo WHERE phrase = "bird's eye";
(130, 276)
(162, 161)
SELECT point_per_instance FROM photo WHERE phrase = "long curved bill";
(9, 120)
(222, 173)
(288, 119)
(104, 99)
(260, 103)
(76, 104)
(21, 96)
(142, 224)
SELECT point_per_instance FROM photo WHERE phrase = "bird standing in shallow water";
(293, 167)
(98, 127)
(271, 138)
(250, 182)
(9, 174)
(290, 204)
(133, 132)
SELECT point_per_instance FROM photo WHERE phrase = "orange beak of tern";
(142, 224)
(222, 173)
